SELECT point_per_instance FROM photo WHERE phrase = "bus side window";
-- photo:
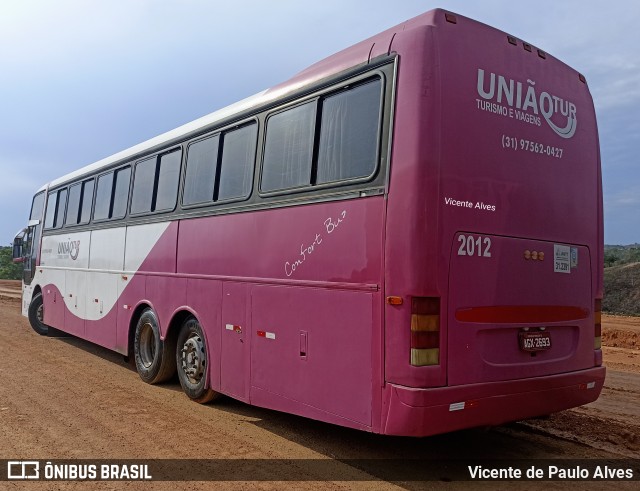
(155, 184)
(289, 148)
(121, 193)
(73, 208)
(143, 186)
(236, 166)
(52, 199)
(168, 177)
(349, 130)
(56, 203)
(87, 201)
(103, 197)
(200, 177)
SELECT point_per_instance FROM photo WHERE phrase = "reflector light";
(425, 339)
(394, 300)
(456, 406)
(425, 305)
(425, 357)
(525, 314)
(420, 322)
(450, 18)
(425, 331)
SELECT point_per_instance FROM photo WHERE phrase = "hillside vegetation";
(622, 279)
(8, 270)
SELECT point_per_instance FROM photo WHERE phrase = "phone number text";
(516, 144)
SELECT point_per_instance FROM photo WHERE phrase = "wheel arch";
(177, 320)
(36, 289)
(135, 317)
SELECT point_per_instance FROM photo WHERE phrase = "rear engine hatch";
(518, 308)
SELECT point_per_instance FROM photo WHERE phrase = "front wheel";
(36, 315)
(192, 362)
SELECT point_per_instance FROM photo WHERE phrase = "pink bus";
(405, 238)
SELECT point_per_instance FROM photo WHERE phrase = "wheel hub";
(193, 359)
(147, 345)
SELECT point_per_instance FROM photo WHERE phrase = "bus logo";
(508, 97)
(70, 248)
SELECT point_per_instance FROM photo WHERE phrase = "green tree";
(9, 270)
(610, 258)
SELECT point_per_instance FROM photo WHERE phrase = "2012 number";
(470, 245)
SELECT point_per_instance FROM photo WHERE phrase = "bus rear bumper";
(423, 412)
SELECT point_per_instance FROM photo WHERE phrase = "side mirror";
(18, 245)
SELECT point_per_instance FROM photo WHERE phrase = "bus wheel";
(191, 359)
(36, 315)
(154, 358)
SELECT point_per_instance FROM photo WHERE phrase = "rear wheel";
(192, 362)
(36, 315)
(154, 358)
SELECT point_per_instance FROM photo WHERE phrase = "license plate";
(535, 340)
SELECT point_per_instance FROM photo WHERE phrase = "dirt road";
(63, 398)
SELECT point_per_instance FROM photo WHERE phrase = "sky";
(81, 80)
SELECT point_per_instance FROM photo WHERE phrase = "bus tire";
(36, 315)
(192, 362)
(154, 358)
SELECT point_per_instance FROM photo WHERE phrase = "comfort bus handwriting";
(330, 226)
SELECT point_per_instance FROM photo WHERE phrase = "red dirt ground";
(64, 398)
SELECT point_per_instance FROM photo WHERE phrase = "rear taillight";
(597, 319)
(425, 331)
